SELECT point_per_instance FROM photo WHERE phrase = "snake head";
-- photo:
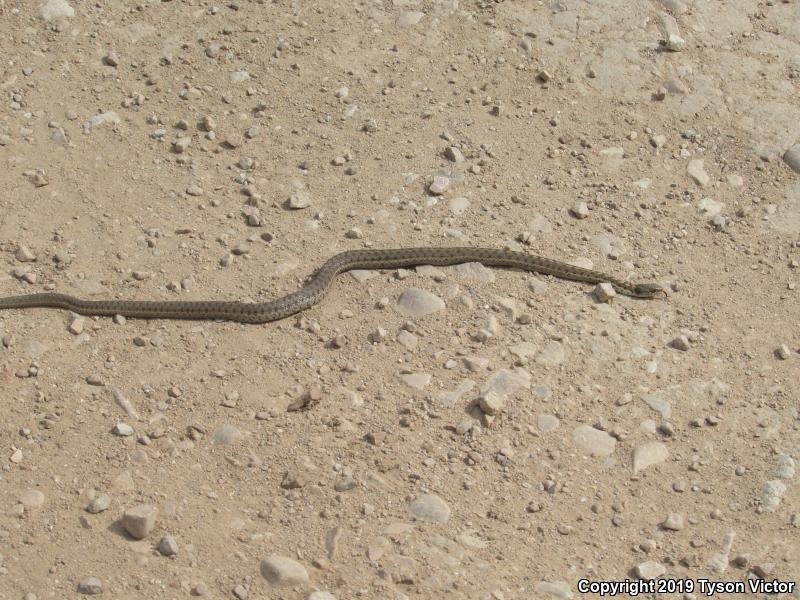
(649, 290)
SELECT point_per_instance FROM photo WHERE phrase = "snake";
(318, 284)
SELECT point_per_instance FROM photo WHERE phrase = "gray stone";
(226, 434)
(650, 570)
(417, 303)
(99, 503)
(556, 589)
(698, 173)
(320, 596)
(593, 442)
(673, 522)
(792, 158)
(140, 520)
(90, 586)
(31, 499)
(649, 454)
(168, 546)
(282, 571)
(409, 17)
(430, 508)
(55, 9)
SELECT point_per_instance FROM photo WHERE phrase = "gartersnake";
(316, 287)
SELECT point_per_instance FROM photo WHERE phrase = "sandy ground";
(519, 437)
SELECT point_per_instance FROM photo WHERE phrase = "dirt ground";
(519, 436)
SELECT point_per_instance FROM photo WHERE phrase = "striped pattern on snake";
(317, 286)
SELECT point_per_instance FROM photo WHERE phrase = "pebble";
(454, 154)
(458, 205)
(772, 494)
(31, 499)
(430, 508)
(98, 504)
(55, 9)
(697, 172)
(416, 303)
(168, 546)
(90, 586)
(783, 352)
(580, 210)
(299, 199)
(409, 18)
(417, 381)
(673, 522)
(24, 254)
(439, 185)
(556, 589)
(673, 40)
(140, 520)
(650, 570)
(491, 403)
(226, 434)
(282, 571)
(76, 324)
(680, 342)
(111, 59)
(792, 158)
(649, 454)
(593, 442)
(604, 292)
(548, 423)
(321, 595)
(122, 429)
(181, 145)
(552, 354)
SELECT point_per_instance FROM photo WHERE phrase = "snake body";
(317, 286)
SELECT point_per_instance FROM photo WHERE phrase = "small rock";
(673, 522)
(226, 434)
(792, 158)
(99, 503)
(772, 495)
(439, 185)
(55, 9)
(593, 442)
(111, 59)
(282, 571)
(181, 145)
(580, 210)
(649, 454)
(454, 154)
(698, 173)
(299, 199)
(783, 352)
(24, 254)
(430, 508)
(320, 596)
(122, 429)
(168, 546)
(31, 499)
(556, 589)
(604, 292)
(650, 570)
(409, 18)
(491, 403)
(417, 303)
(680, 342)
(140, 520)
(90, 586)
